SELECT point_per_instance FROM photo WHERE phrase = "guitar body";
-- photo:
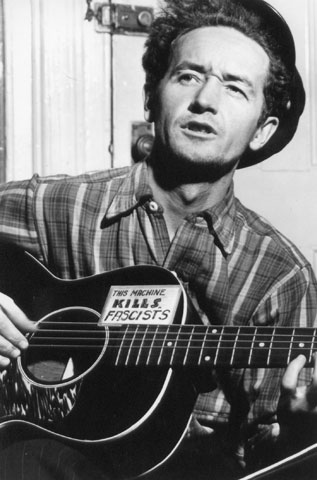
(77, 395)
(112, 367)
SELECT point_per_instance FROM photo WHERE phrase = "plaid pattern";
(235, 266)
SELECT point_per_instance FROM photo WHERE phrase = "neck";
(182, 195)
(216, 346)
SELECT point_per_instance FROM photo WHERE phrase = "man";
(223, 92)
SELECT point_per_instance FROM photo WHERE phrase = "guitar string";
(179, 344)
(155, 344)
(156, 358)
(183, 336)
(143, 336)
(208, 349)
(180, 338)
(195, 338)
(281, 331)
(180, 347)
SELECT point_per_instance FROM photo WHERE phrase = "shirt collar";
(134, 190)
(221, 218)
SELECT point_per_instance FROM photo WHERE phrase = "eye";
(235, 91)
(187, 78)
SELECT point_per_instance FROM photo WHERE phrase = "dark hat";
(286, 49)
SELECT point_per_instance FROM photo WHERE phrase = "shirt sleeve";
(292, 304)
(17, 220)
(250, 397)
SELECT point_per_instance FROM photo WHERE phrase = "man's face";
(209, 102)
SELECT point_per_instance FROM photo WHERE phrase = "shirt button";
(153, 206)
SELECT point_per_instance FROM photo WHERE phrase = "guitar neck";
(216, 346)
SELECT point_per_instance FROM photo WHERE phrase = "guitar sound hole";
(67, 344)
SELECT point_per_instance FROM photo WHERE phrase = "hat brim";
(288, 124)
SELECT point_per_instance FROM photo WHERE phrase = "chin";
(193, 169)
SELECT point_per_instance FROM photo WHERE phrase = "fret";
(158, 344)
(203, 345)
(117, 362)
(281, 346)
(302, 341)
(136, 343)
(210, 354)
(188, 345)
(312, 345)
(142, 348)
(262, 347)
(198, 346)
(164, 348)
(234, 346)
(147, 362)
(194, 344)
(241, 349)
(270, 348)
(174, 345)
(252, 346)
(218, 347)
(186, 353)
(290, 347)
(171, 348)
(225, 345)
(131, 346)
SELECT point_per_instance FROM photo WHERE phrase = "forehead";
(221, 47)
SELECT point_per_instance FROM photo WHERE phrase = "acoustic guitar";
(112, 356)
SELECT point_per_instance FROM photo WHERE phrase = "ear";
(263, 133)
(147, 101)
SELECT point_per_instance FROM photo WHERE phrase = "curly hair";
(181, 16)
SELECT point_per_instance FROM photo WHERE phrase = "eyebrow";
(191, 66)
(239, 78)
(230, 77)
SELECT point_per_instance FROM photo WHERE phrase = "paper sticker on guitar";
(141, 304)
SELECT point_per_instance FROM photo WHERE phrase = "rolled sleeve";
(17, 215)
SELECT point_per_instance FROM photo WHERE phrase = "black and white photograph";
(158, 239)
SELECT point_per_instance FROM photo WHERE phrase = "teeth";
(199, 128)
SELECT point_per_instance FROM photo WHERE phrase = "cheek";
(172, 104)
(244, 126)
(162, 127)
(165, 120)
(239, 133)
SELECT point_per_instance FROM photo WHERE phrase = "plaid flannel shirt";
(236, 267)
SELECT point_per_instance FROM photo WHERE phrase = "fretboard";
(192, 345)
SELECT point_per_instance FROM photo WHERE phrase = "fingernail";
(23, 344)
(4, 361)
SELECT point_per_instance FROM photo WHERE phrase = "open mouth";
(199, 127)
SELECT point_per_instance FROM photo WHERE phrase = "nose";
(208, 95)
